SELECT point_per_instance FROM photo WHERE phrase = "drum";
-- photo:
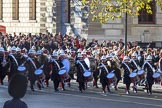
(63, 74)
(22, 70)
(111, 77)
(66, 63)
(88, 76)
(157, 77)
(141, 74)
(38, 72)
(133, 77)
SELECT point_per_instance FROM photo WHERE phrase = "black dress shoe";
(81, 91)
(32, 90)
(56, 90)
(2, 83)
(97, 87)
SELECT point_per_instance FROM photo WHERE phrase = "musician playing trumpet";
(114, 67)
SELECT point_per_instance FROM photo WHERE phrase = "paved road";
(91, 98)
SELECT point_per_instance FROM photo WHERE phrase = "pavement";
(156, 88)
(91, 98)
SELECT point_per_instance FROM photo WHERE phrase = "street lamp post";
(126, 20)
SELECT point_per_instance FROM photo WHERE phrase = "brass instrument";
(117, 61)
(109, 63)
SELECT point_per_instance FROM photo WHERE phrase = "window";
(15, 9)
(32, 9)
(1, 9)
(145, 18)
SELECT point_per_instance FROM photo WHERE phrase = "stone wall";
(147, 32)
(78, 25)
(24, 25)
(114, 30)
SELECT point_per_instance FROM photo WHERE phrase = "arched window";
(145, 18)
(32, 9)
(15, 9)
(1, 9)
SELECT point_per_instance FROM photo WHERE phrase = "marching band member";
(81, 67)
(3, 65)
(103, 72)
(55, 69)
(44, 60)
(135, 62)
(126, 65)
(117, 72)
(141, 58)
(95, 74)
(135, 67)
(95, 54)
(19, 57)
(78, 52)
(149, 67)
(61, 58)
(156, 57)
(160, 61)
(86, 59)
(32, 64)
(12, 62)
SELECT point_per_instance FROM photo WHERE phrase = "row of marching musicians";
(40, 67)
(30, 64)
(146, 75)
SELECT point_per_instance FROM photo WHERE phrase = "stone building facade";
(26, 16)
(145, 28)
(38, 16)
(72, 17)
